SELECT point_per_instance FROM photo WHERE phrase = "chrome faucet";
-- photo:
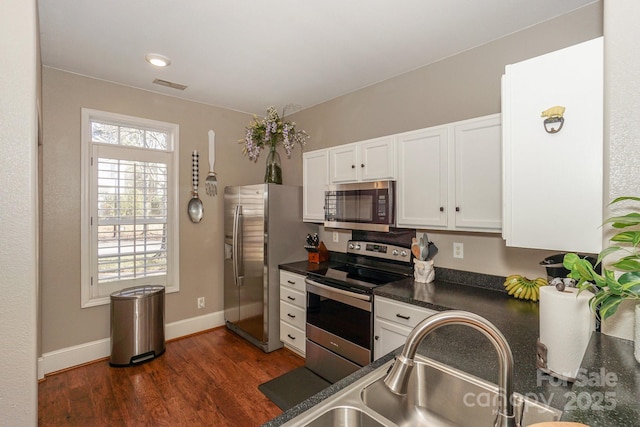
(398, 377)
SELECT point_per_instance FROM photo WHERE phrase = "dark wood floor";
(209, 379)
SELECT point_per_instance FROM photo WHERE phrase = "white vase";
(637, 334)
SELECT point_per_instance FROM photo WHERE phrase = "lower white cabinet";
(293, 313)
(393, 322)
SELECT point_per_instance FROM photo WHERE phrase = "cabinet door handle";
(289, 335)
(403, 316)
(441, 208)
(291, 298)
(291, 282)
(376, 337)
(361, 165)
(353, 166)
(457, 208)
(293, 316)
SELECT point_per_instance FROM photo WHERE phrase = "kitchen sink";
(344, 416)
(437, 396)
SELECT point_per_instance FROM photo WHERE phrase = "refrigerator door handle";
(236, 245)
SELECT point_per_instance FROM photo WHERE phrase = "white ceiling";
(248, 54)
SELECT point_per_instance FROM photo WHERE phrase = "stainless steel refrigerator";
(262, 228)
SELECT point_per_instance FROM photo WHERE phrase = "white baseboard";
(88, 352)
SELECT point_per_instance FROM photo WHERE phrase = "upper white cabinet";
(315, 176)
(553, 182)
(369, 160)
(422, 184)
(478, 174)
(449, 176)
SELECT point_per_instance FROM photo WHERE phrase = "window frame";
(88, 170)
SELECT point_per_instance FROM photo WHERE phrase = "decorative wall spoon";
(195, 207)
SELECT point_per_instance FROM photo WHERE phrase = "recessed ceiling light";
(157, 60)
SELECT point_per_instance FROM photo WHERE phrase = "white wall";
(18, 213)
(622, 124)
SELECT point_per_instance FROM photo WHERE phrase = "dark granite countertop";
(589, 402)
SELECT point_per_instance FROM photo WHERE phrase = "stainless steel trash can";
(137, 325)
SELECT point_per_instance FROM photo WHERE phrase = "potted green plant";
(621, 280)
(610, 290)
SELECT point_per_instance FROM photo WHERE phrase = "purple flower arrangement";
(270, 131)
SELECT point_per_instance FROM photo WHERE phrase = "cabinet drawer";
(293, 297)
(292, 336)
(295, 281)
(400, 313)
(292, 314)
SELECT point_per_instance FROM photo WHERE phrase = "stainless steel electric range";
(340, 306)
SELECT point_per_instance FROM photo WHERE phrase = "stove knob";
(403, 253)
(351, 246)
(395, 252)
(357, 247)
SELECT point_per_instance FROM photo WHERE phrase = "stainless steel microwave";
(360, 206)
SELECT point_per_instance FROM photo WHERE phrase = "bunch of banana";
(523, 288)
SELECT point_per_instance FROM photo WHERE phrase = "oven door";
(338, 329)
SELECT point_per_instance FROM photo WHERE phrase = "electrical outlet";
(458, 250)
(200, 302)
(336, 237)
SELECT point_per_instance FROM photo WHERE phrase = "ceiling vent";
(170, 84)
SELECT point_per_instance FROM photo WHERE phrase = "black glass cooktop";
(350, 276)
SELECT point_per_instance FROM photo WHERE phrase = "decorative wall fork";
(211, 183)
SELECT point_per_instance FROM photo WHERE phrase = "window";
(129, 204)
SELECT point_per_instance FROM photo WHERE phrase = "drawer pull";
(293, 316)
(291, 282)
(291, 298)
(292, 337)
(403, 317)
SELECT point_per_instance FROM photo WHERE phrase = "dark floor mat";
(289, 389)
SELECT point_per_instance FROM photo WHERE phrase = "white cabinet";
(449, 176)
(393, 322)
(478, 174)
(293, 311)
(315, 176)
(553, 182)
(422, 184)
(369, 160)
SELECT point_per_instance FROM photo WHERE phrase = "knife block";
(319, 254)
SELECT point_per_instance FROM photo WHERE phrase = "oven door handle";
(338, 294)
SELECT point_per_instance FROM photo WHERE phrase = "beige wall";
(64, 323)
(461, 87)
